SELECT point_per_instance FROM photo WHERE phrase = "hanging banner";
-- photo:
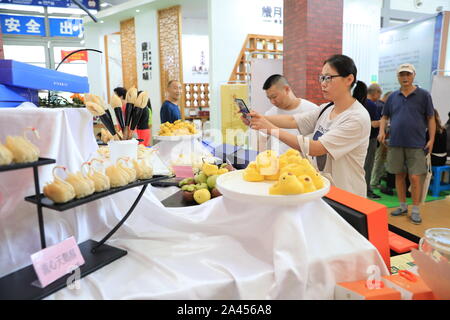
(60, 27)
(79, 56)
(28, 25)
(90, 4)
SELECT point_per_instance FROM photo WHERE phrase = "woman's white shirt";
(346, 138)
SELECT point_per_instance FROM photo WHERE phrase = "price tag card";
(56, 261)
(183, 171)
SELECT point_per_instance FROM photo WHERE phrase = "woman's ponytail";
(360, 92)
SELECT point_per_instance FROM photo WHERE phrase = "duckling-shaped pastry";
(251, 173)
(317, 180)
(101, 181)
(59, 191)
(287, 184)
(308, 183)
(130, 171)
(83, 186)
(143, 170)
(273, 177)
(6, 156)
(22, 149)
(267, 162)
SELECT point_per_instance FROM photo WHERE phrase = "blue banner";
(90, 4)
(66, 27)
(28, 25)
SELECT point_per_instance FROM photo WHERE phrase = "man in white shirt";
(284, 101)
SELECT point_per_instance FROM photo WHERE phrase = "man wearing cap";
(411, 112)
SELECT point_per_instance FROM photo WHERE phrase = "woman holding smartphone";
(340, 128)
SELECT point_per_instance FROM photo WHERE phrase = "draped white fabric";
(218, 250)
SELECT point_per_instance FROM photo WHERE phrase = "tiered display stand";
(22, 283)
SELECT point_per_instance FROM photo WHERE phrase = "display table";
(228, 250)
(218, 250)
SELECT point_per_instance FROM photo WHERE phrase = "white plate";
(232, 185)
(178, 138)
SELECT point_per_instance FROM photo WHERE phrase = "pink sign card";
(56, 261)
(183, 171)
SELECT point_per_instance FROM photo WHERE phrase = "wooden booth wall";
(170, 57)
(128, 44)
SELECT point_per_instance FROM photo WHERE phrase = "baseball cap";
(408, 67)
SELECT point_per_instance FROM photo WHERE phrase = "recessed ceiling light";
(138, 10)
(101, 21)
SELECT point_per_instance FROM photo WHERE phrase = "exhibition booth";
(201, 212)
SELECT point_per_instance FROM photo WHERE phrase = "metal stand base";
(18, 285)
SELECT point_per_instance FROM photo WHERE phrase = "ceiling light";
(138, 10)
(101, 21)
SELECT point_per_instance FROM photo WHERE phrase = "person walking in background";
(378, 171)
(410, 111)
(372, 147)
(284, 101)
(170, 111)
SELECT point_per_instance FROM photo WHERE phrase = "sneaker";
(399, 212)
(372, 195)
(408, 194)
(415, 218)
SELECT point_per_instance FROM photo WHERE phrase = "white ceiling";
(194, 9)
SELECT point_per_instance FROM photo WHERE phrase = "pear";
(211, 182)
(200, 178)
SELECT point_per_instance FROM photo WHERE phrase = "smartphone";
(242, 107)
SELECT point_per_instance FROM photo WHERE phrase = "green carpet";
(392, 201)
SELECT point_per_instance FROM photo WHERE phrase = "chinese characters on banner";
(146, 61)
(66, 27)
(272, 14)
(29, 25)
(22, 25)
(79, 56)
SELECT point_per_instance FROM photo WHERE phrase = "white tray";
(233, 186)
(178, 138)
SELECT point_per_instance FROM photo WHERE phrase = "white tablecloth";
(219, 250)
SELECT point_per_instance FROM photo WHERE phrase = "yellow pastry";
(287, 184)
(317, 180)
(251, 173)
(6, 156)
(117, 176)
(143, 171)
(131, 172)
(101, 181)
(267, 162)
(307, 182)
(83, 186)
(59, 191)
(22, 149)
